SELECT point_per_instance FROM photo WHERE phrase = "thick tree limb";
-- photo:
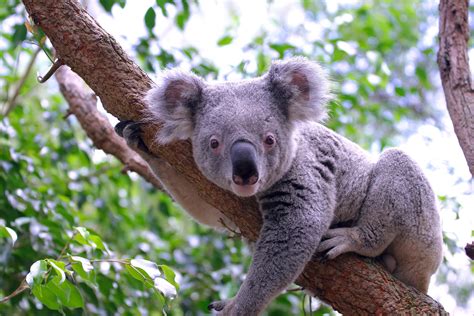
(83, 104)
(453, 62)
(350, 284)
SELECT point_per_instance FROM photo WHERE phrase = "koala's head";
(243, 133)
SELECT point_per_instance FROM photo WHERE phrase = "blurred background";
(382, 58)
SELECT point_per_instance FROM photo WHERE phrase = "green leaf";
(97, 242)
(150, 19)
(37, 272)
(83, 268)
(149, 267)
(226, 40)
(83, 235)
(165, 287)
(181, 19)
(67, 293)
(59, 267)
(262, 62)
(161, 4)
(122, 3)
(9, 233)
(19, 34)
(46, 296)
(281, 48)
(422, 76)
(85, 263)
(169, 275)
(107, 4)
(400, 91)
(140, 275)
(57, 293)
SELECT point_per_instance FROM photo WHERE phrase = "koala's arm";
(296, 216)
(174, 182)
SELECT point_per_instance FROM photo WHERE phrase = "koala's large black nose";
(244, 163)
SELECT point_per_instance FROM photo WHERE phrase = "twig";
(23, 287)
(57, 63)
(121, 261)
(10, 105)
(61, 254)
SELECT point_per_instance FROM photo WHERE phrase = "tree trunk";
(453, 62)
(351, 284)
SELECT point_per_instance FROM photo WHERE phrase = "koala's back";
(385, 206)
(353, 173)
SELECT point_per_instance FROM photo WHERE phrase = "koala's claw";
(224, 307)
(320, 257)
(336, 242)
(324, 258)
(121, 126)
(131, 131)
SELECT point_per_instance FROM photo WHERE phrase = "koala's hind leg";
(399, 218)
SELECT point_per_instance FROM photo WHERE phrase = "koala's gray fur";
(310, 180)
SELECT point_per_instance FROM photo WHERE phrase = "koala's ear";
(173, 102)
(300, 88)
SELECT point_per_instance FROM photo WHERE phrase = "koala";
(318, 192)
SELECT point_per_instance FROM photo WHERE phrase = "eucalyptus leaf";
(59, 267)
(152, 270)
(46, 296)
(165, 287)
(37, 272)
(9, 233)
(226, 40)
(150, 19)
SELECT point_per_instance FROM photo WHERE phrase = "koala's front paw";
(131, 131)
(224, 307)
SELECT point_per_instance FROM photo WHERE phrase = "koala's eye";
(270, 139)
(214, 143)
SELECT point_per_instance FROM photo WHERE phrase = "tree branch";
(453, 62)
(350, 284)
(83, 104)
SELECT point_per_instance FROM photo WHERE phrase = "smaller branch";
(83, 104)
(11, 103)
(121, 261)
(23, 287)
(57, 63)
(66, 246)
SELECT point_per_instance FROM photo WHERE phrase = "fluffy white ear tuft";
(301, 88)
(173, 102)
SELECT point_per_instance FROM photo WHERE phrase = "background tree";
(369, 48)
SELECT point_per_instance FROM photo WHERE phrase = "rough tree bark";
(352, 285)
(83, 104)
(453, 62)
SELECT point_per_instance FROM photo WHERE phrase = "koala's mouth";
(245, 190)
